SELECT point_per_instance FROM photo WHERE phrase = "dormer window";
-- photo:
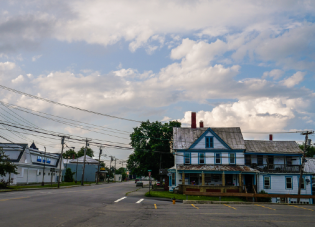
(209, 141)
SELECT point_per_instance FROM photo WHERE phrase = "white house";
(30, 164)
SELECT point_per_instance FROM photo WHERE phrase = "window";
(173, 179)
(201, 158)
(48, 174)
(209, 142)
(39, 173)
(232, 158)
(267, 183)
(217, 158)
(187, 158)
(289, 160)
(260, 160)
(39, 158)
(288, 183)
(48, 160)
(248, 160)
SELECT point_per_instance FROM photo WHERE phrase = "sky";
(247, 64)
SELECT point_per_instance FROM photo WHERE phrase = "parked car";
(139, 184)
(136, 180)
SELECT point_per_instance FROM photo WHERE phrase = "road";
(107, 205)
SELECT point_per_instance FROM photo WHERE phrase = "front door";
(249, 183)
(228, 179)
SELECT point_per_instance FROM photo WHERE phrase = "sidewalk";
(138, 192)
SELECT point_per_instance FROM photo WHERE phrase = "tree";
(5, 165)
(89, 152)
(122, 171)
(70, 154)
(151, 141)
(69, 175)
(310, 150)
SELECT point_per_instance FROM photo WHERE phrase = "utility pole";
(44, 167)
(61, 158)
(98, 167)
(110, 166)
(302, 162)
(86, 145)
(115, 163)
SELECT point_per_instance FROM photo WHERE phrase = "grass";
(166, 194)
(47, 185)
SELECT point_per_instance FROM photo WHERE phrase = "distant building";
(30, 164)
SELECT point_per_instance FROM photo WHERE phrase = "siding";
(179, 158)
(194, 158)
(225, 158)
(278, 185)
(210, 158)
(240, 159)
(216, 143)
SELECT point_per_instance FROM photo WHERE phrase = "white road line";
(140, 201)
(120, 199)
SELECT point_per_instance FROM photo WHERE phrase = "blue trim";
(212, 150)
(264, 181)
(272, 154)
(215, 172)
(286, 182)
(209, 142)
(255, 179)
(204, 134)
(204, 158)
(234, 159)
(215, 157)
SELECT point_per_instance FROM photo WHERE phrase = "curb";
(236, 202)
(28, 189)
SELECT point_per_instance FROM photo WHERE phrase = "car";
(158, 183)
(139, 183)
(136, 180)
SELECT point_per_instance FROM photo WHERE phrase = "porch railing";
(277, 168)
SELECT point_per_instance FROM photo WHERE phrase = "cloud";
(275, 74)
(35, 58)
(166, 118)
(294, 80)
(19, 79)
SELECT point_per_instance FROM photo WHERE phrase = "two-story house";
(216, 159)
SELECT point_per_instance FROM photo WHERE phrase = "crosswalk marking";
(140, 201)
(120, 199)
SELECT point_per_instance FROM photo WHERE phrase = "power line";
(64, 105)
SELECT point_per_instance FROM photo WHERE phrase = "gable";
(202, 143)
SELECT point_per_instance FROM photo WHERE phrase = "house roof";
(309, 166)
(266, 146)
(183, 138)
(88, 160)
(217, 168)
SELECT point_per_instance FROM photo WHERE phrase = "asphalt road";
(107, 205)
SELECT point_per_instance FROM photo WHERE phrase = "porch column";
(203, 179)
(183, 178)
(240, 180)
(223, 179)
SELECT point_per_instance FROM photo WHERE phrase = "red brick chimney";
(270, 137)
(193, 120)
(201, 124)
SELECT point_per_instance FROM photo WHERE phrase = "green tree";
(151, 141)
(68, 175)
(122, 171)
(310, 150)
(89, 152)
(70, 154)
(5, 165)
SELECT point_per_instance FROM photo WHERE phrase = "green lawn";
(48, 185)
(166, 194)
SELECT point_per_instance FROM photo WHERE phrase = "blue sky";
(236, 63)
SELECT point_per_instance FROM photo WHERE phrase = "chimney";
(193, 120)
(201, 124)
(270, 137)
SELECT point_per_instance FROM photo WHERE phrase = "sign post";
(149, 180)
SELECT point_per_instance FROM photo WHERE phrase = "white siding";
(279, 160)
(216, 143)
(254, 158)
(240, 158)
(194, 158)
(296, 161)
(179, 158)
(225, 158)
(209, 158)
(278, 185)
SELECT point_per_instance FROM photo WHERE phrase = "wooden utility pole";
(44, 168)
(86, 145)
(302, 162)
(98, 167)
(61, 158)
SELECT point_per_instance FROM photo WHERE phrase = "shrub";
(69, 175)
(262, 199)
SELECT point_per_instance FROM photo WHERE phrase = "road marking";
(155, 206)
(120, 199)
(230, 206)
(194, 206)
(140, 201)
(14, 198)
(265, 207)
(301, 207)
(236, 214)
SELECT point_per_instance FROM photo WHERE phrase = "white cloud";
(35, 58)
(19, 79)
(294, 80)
(125, 72)
(275, 74)
(166, 118)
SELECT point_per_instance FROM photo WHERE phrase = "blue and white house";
(30, 164)
(219, 160)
